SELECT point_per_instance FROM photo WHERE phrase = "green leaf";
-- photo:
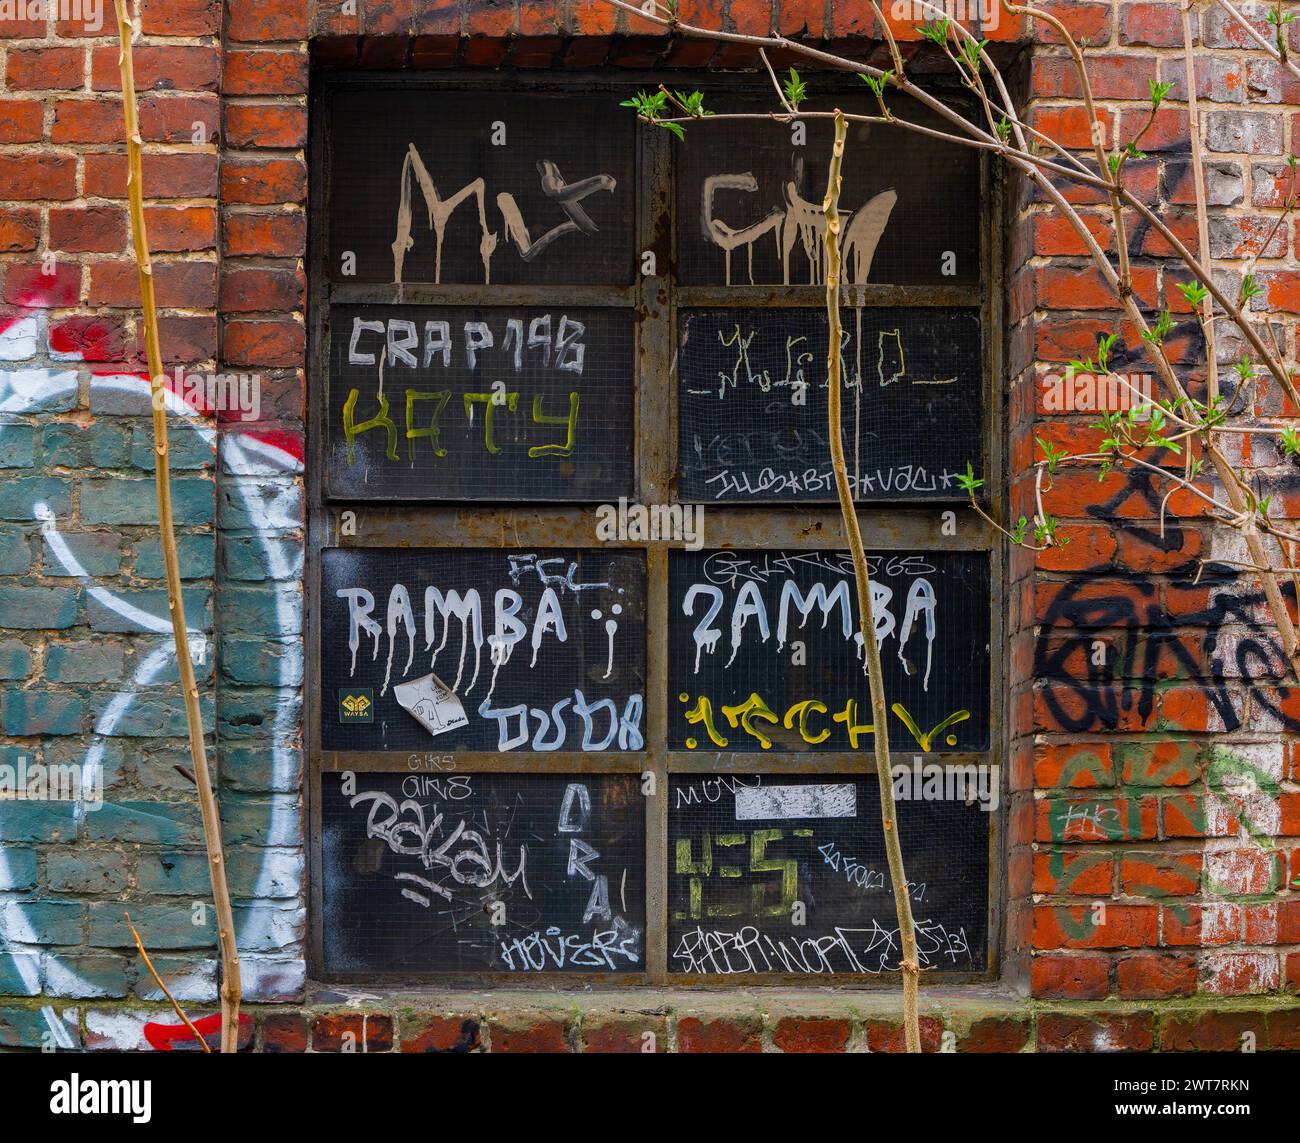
(1193, 292)
(1052, 455)
(1290, 441)
(970, 50)
(1158, 93)
(967, 481)
(877, 83)
(1157, 333)
(796, 91)
(937, 32)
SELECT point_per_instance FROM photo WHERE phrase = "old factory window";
(586, 682)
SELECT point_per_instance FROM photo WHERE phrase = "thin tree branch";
(911, 968)
(230, 985)
(165, 990)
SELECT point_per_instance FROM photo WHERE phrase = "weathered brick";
(37, 608)
(723, 1034)
(421, 1033)
(45, 68)
(285, 1032)
(352, 1032)
(528, 1032)
(811, 1034)
(1096, 1032)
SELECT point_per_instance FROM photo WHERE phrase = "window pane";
(779, 873)
(764, 651)
(475, 187)
(487, 650)
(481, 403)
(484, 872)
(749, 201)
(752, 403)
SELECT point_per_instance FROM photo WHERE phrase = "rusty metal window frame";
(486, 525)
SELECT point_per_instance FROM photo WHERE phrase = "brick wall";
(1127, 777)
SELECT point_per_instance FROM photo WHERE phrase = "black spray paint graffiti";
(1148, 656)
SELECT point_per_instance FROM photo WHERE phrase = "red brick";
(624, 1034)
(247, 291)
(1088, 21)
(263, 181)
(1239, 973)
(96, 228)
(1075, 765)
(21, 121)
(1158, 25)
(264, 126)
(1288, 921)
(1069, 977)
(1069, 125)
(1167, 763)
(543, 18)
(723, 1034)
(439, 18)
(1096, 1032)
(90, 338)
(159, 67)
(179, 119)
(597, 18)
(799, 1034)
(888, 1035)
(45, 69)
(1112, 77)
(180, 17)
(351, 1031)
(20, 230)
(1073, 927)
(1161, 875)
(52, 176)
(269, 235)
(1092, 820)
(1055, 236)
(167, 175)
(264, 343)
(996, 1034)
(29, 285)
(94, 120)
(260, 21)
(183, 285)
(23, 29)
(1065, 287)
(1283, 1029)
(1156, 977)
(187, 338)
(174, 228)
(284, 1032)
(265, 73)
(1085, 874)
(1214, 1031)
(527, 1034)
(440, 1034)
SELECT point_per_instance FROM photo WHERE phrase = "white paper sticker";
(774, 803)
(432, 703)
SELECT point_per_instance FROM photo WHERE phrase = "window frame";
(886, 526)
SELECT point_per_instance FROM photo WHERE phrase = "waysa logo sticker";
(357, 705)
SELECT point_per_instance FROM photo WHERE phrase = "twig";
(230, 985)
(1254, 34)
(911, 968)
(159, 981)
